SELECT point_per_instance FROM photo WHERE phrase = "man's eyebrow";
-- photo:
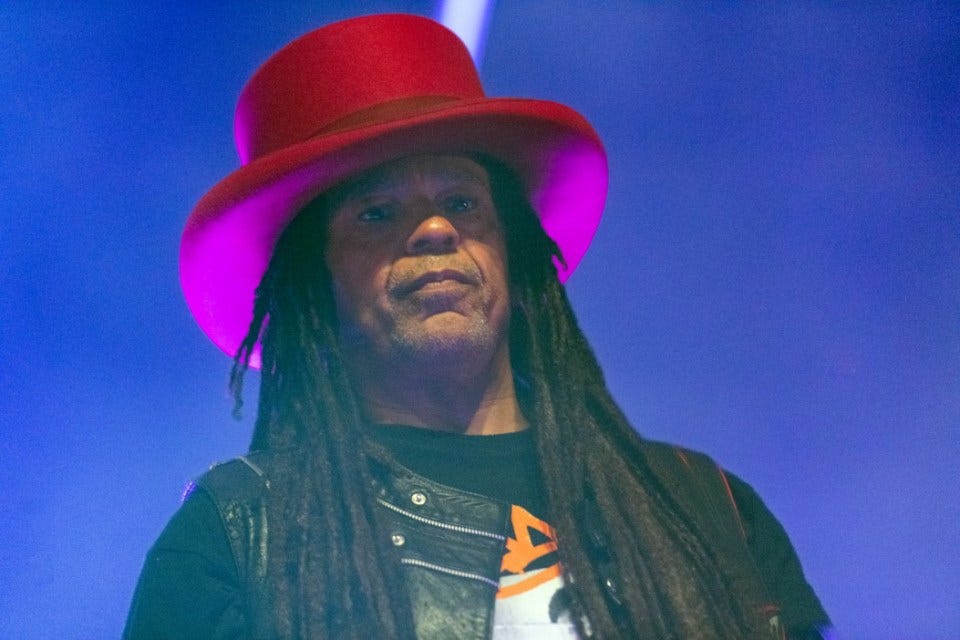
(376, 180)
(454, 174)
(368, 183)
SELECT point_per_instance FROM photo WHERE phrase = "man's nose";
(434, 234)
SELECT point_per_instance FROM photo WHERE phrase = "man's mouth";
(433, 279)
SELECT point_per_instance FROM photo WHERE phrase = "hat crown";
(333, 75)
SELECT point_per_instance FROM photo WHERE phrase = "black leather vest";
(450, 542)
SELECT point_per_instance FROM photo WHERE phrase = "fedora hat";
(350, 96)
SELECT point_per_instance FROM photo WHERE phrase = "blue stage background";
(776, 280)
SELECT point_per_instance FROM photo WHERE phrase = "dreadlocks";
(331, 570)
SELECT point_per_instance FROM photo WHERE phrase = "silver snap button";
(418, 498)
(398, 540)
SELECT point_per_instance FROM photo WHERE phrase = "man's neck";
(474, 403)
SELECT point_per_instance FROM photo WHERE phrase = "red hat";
(353, 95)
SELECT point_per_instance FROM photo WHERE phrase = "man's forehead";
(398, 173)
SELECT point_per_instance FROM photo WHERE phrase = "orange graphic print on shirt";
(532, 540)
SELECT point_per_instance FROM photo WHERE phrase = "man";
(436, 454)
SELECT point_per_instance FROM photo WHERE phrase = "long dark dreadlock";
(332, 572)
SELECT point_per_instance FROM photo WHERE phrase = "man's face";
(418, 261)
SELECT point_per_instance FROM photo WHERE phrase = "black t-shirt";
(502, 466)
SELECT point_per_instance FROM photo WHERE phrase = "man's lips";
(415, 283)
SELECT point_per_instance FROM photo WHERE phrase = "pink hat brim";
(230, 234)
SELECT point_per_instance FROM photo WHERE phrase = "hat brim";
(230, 234)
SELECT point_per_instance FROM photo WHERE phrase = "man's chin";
(453, 340)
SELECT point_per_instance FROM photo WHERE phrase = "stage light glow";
(468, 19)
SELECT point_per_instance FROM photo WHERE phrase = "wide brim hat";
(348, 97)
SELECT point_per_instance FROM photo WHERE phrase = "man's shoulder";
(662, 447)
(244, 478)
(673, 459)
(699, 484)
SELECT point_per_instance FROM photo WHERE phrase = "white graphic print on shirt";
(531, 602)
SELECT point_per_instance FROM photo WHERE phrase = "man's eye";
(460, 204)
(377, 213)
